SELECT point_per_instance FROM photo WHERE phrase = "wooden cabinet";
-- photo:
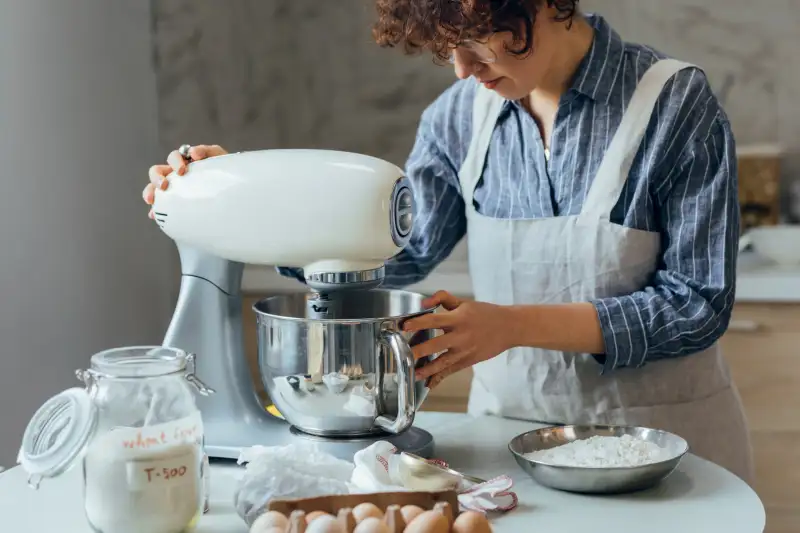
(762, 347)
(251, 344)
(451, 395)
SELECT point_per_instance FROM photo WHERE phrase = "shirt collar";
(600, 67)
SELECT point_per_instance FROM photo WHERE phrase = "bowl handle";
(406, 393)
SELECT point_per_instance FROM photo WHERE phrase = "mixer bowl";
(348, 376)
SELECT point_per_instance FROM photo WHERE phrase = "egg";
(471, 522)
(429, 522)
(313, 515)
(324, 523)
(371, 524)
(410, 512)
(269, 520)
(366, 510)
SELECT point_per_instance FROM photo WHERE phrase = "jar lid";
(57, 435)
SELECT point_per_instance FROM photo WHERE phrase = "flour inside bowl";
(602, 452)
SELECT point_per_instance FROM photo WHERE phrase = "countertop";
(698, 497)
(757, 281)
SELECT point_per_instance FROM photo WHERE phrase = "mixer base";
(414, 440)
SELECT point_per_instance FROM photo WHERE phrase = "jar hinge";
(190, 376)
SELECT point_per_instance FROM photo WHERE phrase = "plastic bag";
(295, 471)
(303, 471)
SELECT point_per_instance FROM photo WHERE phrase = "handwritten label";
(185, 430)
(179, 468)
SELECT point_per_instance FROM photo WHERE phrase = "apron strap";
(485, 110)
(607, 187)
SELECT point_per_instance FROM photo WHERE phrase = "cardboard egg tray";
(299, 514)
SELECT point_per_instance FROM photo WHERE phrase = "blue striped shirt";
(682, 185)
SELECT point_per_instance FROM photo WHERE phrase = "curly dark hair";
(438, 25)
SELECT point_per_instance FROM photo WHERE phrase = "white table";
(698, 497)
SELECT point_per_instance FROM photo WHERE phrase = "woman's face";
(512, 76)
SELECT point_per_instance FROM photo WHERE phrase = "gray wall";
(303, 73)
(252, 74)
(81, 267)
(749, 51)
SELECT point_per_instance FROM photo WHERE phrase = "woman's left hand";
(473, 332)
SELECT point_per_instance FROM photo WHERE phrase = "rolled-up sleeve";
(687, 306)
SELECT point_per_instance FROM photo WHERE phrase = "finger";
(204, 151)
(433, 346)
(158, 174)
(148, 194)
(438, 365)
(444, 321)
(151, 215)
(443, 298)
(432, 382)
(177, 162)
(458, 366)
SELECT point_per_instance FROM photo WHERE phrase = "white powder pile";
(602, 452)
(144, 491)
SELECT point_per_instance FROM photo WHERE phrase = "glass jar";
(137, 431)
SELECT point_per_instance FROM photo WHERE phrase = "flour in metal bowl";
(602, 452)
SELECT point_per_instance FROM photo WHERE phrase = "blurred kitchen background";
(92, 92)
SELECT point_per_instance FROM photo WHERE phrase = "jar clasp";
(192, 378)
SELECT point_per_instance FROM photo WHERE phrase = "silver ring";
(184, 151)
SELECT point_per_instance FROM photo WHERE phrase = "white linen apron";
(576, 259)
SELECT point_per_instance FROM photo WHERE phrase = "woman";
(597, 182)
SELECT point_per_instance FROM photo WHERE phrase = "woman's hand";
(473, 332)
(176, 163)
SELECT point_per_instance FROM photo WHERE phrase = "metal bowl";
(593, 480)
(365, 349)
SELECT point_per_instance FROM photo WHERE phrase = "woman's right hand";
(176, 163)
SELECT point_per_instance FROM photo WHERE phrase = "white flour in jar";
(602, 452)
(134, 490)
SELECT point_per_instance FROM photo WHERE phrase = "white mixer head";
(337, 215)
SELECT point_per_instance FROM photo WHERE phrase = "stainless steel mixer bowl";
(365, 342)
(588, 480)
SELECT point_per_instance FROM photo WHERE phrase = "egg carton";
(380, 512)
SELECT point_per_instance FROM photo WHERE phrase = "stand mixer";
(337, 216)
